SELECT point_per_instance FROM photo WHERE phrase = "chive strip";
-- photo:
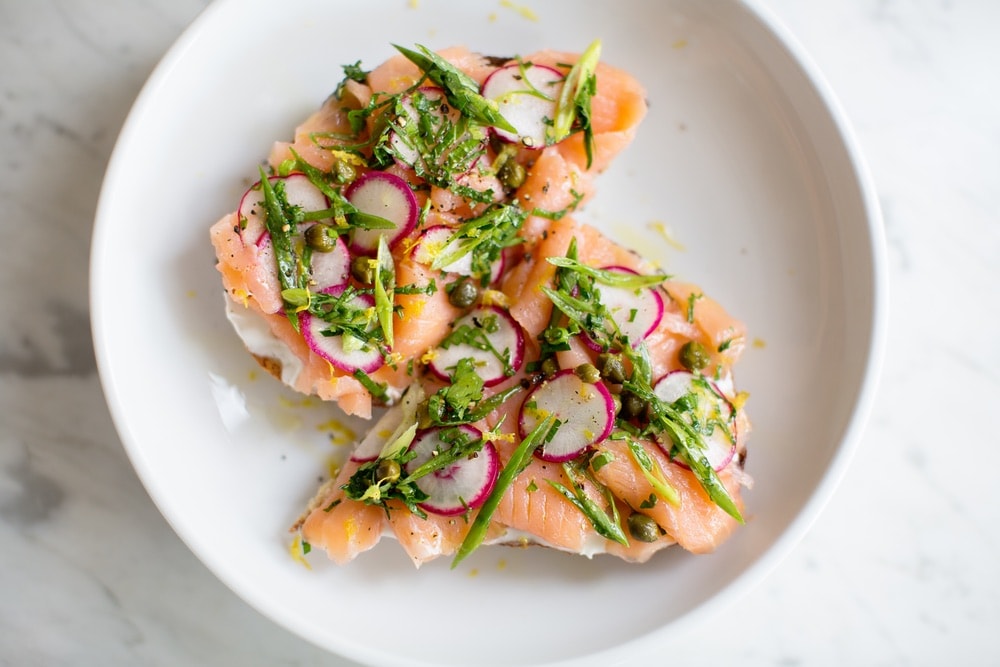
(653, 474)
(341, 208)
(376, 389)
(279, 226)
(574, 99)
(605, 525)
(460, 448)
(575, 309)
(519, 460)
(610, 278)
(692, 447)
(384, 284)
(460, 89)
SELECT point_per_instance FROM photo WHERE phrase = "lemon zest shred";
(492, 297)
(523, 10)
(297, 551)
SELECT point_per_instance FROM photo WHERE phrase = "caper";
(343, 172)
(643, 528)
(423, 416)
(388, 470)
(611, 367)
(463, 294)
(550, 367)
(512, 174)
(555, 335)
(318, 238)
(362, 270)
(588, 373)
(694, 356)
(617, 402)
(632, 405)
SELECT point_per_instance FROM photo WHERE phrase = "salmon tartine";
(414, 250)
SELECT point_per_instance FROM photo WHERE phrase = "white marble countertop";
(899, 570)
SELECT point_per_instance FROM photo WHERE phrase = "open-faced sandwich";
(415, 248)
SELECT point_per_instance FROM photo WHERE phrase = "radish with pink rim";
(387, 196)
(499, 336)
(719, 446)
(365, 357)
(526, 96)
(459, 486)
(585, 412)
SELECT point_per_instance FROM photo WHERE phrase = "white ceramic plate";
(743, 156)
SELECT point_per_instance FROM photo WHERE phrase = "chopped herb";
(344, 213)
(477, 337)
(649, 502)
(411, 288)
(333, 504)
(601, 459)
(355, 73)
(345, 317)
(559, 215)
(484, 237)
(452, 403)
(420, 132)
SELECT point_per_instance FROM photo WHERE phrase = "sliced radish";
(368, 358)
(507, 339)
(330, 269)
(388, 196)
(636, 312)
(720, 449)
(586, 413)
(464, 484)
(326, 269)
(526, 96)
(439, 239)
(299, 191)
(436, 240)
(439, 113)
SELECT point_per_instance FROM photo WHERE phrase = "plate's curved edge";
(863, 405)
(877, 341)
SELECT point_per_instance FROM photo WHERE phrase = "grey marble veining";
(899, 570)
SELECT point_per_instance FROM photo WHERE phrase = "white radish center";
(585, 412)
